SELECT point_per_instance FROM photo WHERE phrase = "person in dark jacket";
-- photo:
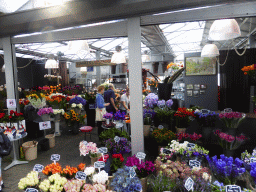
(109, 97)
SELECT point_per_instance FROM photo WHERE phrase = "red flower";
(11, 112)
(10, 117)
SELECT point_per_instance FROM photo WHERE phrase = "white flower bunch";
(58, 111)
(207, 177)
(73, 185)
(176, 146)
(100, 178)
(89, 171)
(29, 181)
(58, 181)
(80, 105)
(37, 103)
(45, 185)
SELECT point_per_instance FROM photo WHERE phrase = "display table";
(15, 161)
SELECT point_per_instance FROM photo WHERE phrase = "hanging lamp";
(118, 57)
(210, 50)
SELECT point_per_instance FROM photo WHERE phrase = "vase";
(228, 153)
(144, 183)
(180, 130)
(146, 130)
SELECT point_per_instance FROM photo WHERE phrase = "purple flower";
(169, 103)
(77, 100)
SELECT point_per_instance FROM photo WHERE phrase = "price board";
(38, 168)
(252, 159)
(31, 190)
(44, 125)
(191, 145)
(232, 188)
(132, 172)
(166, 151)
(103, 150)
(117, 139)
(55, 157)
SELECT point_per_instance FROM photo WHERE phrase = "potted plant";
(122, 146)
(91, 149)
(45, 113)
(183, 117)
(164, 116)
(117, 162)
(111, 133)
(163, 136)
(153, 83)
(108, 117)
(151, 100)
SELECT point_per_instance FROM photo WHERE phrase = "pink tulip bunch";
(89, 148)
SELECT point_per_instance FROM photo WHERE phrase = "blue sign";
(233, 188)
(189, 184)
(80, 175)
(192, 145)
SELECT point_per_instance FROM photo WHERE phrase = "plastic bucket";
(30, 150)
(51, 138)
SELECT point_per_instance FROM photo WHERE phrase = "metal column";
(11, 76)
(135, 84)
(98, 72)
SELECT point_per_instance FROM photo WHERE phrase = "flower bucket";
(144, 183)
(180, 130)
(146, 130)
(45, 117)
(51, 138)
(30, 150)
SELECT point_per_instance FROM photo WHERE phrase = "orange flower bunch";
(152, 82)
(81, 166)
(23, 101)
(249, 70)
(52, 169)
(69, 172)
(55, 89)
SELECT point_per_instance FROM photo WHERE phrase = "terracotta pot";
(146, 130)
(180, 130)
(144, 183)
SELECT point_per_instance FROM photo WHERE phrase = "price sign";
(92, 106)
(117, 139)
(31, 190)
(189, 184)
(233, 188)
(191, 145)
(103, 150)
(140, 156)
(132, 172)
(227, 110)
(205, 111)
(44, 125)
(194, 163)
(80, 175)
(252, 159)
(55, 157)
(85, 142)
(38, 168)
(166, 151)
(99, 165)
(160, 127)
(11, 103)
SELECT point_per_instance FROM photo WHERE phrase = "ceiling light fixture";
(51, 64)
(118, 57)
(78, 46)
(210, 50)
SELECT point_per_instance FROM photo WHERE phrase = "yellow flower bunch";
(72, 117)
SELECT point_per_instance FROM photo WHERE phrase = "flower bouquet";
(245, 157)
(228, 141)
(163, 136)
(54, 183)
(45, 111)
(148, 115)
(151, 100)
(108, 117)
(57, 100)
(72, 117)
(31, 180)
(192, 138)
(123, 182)
(117, 162)
(93, 188)
(232, 119)
(77, 100)
(152, 82)
(249, 70)
(122, 146)
(183, 117)
(69, 172)
(52, 169)
(37, 100)
(206, 119)
(100, 178)
(90, 148)
(74, 185)
(81, 167)
(226, 169)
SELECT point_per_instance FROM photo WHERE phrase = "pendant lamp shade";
(3, 68)
(78, 46)
(210, 50)
(51, 64)
(224, 29)
(118, 57)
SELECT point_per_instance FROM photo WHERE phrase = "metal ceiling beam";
(80, 12)
(117, 29)
(224, 10)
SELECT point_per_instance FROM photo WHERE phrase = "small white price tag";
(252, 159)
(80, 175)
(189, 184)
(194, 163)
(99, 165)
(117, 139)
(232, 188)
(11, 103)
(160, 127)
(140, 155)
(103, 150)
(132, 172)
(31, 190)
(55, 157)
(44, 125)
(227, 110)
(38, 168)
(205, 111)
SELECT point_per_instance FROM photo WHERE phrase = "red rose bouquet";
(183, 117)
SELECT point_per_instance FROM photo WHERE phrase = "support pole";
(98, 72)
(135, 84)
(11, 76)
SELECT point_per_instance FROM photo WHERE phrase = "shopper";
(100, 110)
(109, 97)
(125, 102)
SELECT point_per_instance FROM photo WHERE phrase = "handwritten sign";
(191, 145)
(103, 150)
(141, 155)
(44, 125)
(117, 139)
(194, 163)
(252, 159)
(205, 111)
(55, 157)
(31, 190)
(99, 165)
(233, 188)
(189, 184)
(166, 151)
(38, 168)
(132, 172)
(11, 103)
(80, 175)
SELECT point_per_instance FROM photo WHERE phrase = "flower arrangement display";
(12, 117)
(54, 183)
(117, 162)
(45, 111)
(93, 188)
(161, 103)
(31, 180)
(52, 169)
(80, 105)
(163, 136)
(142, 169)
(74, 185)
(119, 116)
(37, 100)
(69, 172)
(152, 82)
(226, 169)
(164, 115)
(100, 178)
(72, 117)
(245, 157)
(249, 70)
(122, 146)
(232, 119)
(111, 133)
(77, 100)
(148, 115)
(123, 182)
(229, 142)
(23, 103)
(57, 100)
(206, 119)
(90, 148)
(188, 137)
(151, 100)
(108, 116)
(183, 117)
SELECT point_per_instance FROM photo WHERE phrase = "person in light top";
(125, 102)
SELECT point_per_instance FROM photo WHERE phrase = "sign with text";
(103, 150)
(44, 125)
(117, 139)
(55, 157)
(227, 110)
(233, 188)
(140, 155)
(38, 168)
(205, 111)
(194, 163)
(94, 63)
(31, 190)
(189, 184)
(80, 175)
(132, 172)
(252, 160)
(160, 127)
(99, 165)
(166, 151)
(11, 103)
(191, 145)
